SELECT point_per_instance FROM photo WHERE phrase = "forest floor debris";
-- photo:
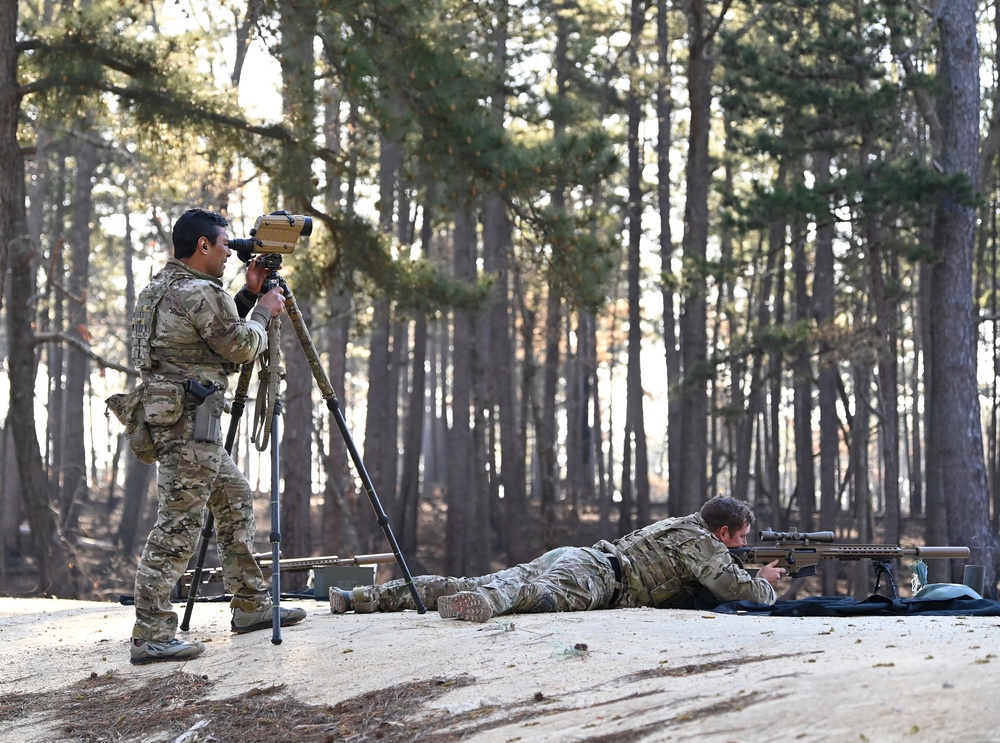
(618, 676)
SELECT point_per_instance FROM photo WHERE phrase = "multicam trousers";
(191, 475)
(563, 579)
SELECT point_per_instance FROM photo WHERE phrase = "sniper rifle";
(285, 565)
(800, 552)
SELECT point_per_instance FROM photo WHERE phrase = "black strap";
(616, 566)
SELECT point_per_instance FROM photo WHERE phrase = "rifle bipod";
(333, 405)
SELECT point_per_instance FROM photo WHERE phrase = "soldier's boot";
(250, 621)
(466, 605)
(151, 651)
(341, 602)
(361, 600)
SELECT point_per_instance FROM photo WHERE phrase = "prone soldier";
(664, 565)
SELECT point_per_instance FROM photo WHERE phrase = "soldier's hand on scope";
(771, 572)
(256, 273)
(273, 301)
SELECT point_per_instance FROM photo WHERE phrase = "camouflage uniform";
(187, 327)
(662, 565)
(563, 579)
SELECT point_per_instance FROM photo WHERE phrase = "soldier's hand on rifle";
(771, 573)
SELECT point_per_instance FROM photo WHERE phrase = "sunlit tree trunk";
(805, 472)
(829, 423)
(294, 183)
(664, 122)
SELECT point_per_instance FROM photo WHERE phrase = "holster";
(208, 417)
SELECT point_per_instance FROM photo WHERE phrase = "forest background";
(575, 266)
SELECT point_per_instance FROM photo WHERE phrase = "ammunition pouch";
(130, 412)
(208, 417)
(163, 403)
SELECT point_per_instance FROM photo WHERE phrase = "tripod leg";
(207, 530)
(275, 528)
(380, 514)
(333, 404)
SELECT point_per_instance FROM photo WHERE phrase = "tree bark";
(672, 357)
(73, 466)
(463, 498)
(694, 352)
(805, 471)
(296, 448)
(18, 254)
(635, 423)
(954, 419)
(829, 423)
(12, 226)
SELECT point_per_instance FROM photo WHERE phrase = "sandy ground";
(619, 675)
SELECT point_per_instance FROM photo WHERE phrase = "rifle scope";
(796, 536)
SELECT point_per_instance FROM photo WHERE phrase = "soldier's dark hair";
(193, 224)
(725, 511)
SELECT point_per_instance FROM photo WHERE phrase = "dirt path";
(608, 676)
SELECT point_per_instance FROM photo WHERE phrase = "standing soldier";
(188, 334)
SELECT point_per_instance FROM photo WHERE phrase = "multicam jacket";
(665, 564)
(187, 327)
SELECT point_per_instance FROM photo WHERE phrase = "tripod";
(268, 416)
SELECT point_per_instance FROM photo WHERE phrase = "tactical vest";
(144, 327)
(651, 563)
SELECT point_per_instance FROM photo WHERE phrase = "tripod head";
(272, 262)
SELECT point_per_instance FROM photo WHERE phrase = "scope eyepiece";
(243, 247)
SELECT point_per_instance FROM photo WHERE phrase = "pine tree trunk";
(694, 399)
(463, 497)
(17, 255)
(664, 119)
(635, 422)
(805, 472)
(296, 447)
(953, 400)
(380, 428)
(829, 423)
(138, 476)
(337, 533)
(73, 470)
(12, 214)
